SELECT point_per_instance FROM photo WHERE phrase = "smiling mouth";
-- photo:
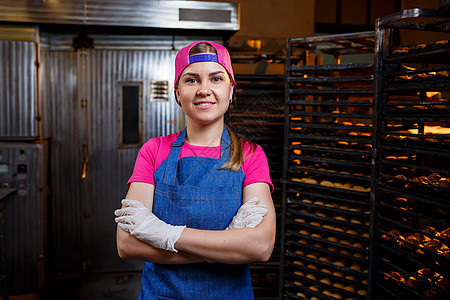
(204, 103)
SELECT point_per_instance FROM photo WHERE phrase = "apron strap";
(170, 173)
(225, 148)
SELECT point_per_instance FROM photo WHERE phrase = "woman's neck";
(204, 135)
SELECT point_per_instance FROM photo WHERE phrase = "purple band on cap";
(203, 57)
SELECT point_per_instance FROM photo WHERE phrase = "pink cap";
(183, 59)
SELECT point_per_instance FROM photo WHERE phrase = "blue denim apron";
(192, 191)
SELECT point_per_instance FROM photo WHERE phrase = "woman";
(199, 205)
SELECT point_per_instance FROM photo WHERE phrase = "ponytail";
(237, 144)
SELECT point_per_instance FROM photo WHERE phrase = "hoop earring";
(231, 100)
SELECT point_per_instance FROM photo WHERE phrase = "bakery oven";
(412, 157)
(327, 167)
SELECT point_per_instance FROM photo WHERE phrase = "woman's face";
(204, 91)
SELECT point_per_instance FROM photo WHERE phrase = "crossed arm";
(226, 246)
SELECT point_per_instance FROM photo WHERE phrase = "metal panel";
(19, 33)
(18, 109)
(25, 214)
(140, 13)
(161, 14)
(59, 85)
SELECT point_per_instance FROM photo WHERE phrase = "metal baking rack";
(327, 167)
(411, 155)
(257, 115)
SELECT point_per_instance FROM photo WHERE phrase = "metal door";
(59, 87)
(93, 152)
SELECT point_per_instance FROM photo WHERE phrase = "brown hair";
(236, 157)
(237, 143)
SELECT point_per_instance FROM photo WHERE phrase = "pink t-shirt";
(156, 150)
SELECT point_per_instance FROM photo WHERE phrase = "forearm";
(228, 246)
(130, 247)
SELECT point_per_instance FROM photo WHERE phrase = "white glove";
(249, 215)
(139, 221)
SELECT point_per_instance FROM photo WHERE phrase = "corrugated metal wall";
(18, 89)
